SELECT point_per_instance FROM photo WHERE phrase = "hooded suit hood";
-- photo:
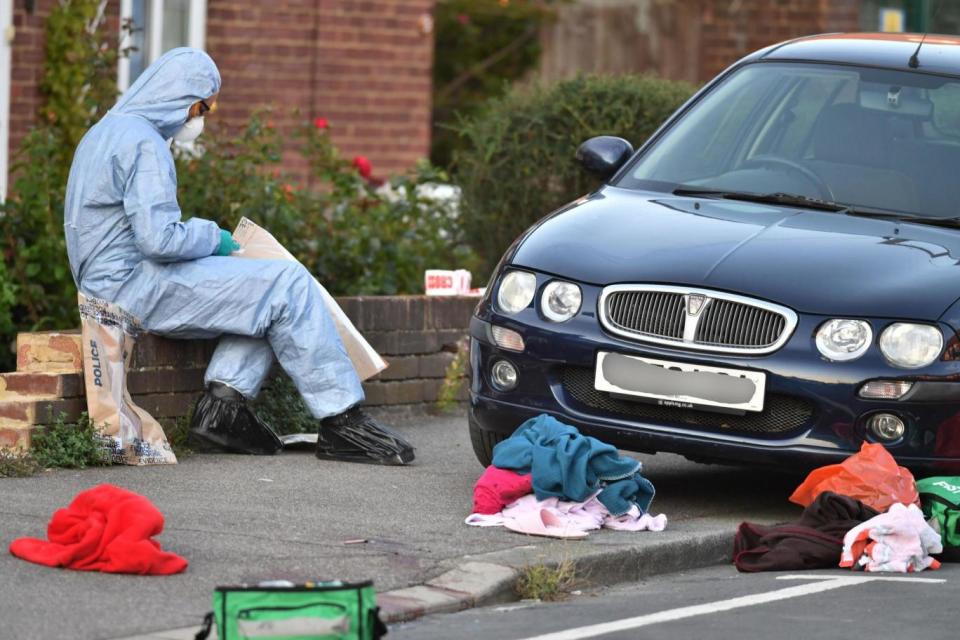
(165, 91)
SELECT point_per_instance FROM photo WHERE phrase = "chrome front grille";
(695, 318)
(650, 313)
(732, 324)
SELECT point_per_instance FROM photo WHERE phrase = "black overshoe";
(355, 436)
(222, 422)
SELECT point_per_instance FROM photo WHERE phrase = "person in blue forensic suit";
(128, 245)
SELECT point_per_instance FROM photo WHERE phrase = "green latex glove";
(227, 244)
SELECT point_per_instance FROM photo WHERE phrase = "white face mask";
(189, 131)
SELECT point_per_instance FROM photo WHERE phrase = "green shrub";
(17, 464)
(178, 436)
(480, 48)
(68, 445)
(356, 236)
(448, 398)
(518, 163)
(281, 406)
(544, 582)
(78, 86)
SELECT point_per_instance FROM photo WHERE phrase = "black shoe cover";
(222, 422)
(354, 436)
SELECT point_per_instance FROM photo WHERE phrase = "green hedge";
(519, 162)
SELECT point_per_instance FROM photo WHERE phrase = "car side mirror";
(603, 155)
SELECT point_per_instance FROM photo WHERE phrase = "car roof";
(939, 54)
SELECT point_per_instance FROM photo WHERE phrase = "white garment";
(899, 540)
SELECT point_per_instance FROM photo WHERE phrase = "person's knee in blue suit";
(128, 245)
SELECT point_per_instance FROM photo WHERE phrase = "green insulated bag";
(940, 497)
(285, 611)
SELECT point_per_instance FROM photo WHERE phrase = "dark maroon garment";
(813, 542)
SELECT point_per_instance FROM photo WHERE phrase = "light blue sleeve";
(150, 203)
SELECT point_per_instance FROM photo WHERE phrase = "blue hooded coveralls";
(127, 245)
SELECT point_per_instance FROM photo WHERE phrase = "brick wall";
(364, 64)
(690, 40)
(417, 335)
(732, 30)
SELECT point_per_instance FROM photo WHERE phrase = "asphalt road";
(245, 519)
(825, 605)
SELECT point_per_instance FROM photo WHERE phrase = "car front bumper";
(812, 416)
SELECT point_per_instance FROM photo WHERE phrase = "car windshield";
(864, 137)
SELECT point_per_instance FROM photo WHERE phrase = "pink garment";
(899, 540)
(577, 516)
(572, 516)
(497, 488)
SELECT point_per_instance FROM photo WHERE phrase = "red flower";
(321, 123)
(362, 164)
(463, 18)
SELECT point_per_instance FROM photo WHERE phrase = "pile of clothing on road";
(105, 528)
(866, 513)
(548, 479)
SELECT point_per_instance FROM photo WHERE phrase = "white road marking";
(800, 576)
(515, 607)
(823, 583)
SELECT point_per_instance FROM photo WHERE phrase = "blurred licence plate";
(677, 384)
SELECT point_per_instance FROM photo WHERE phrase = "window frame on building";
(196, 33)
(6, 59)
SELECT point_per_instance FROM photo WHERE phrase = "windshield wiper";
(766, 198)
(815, 203)
(950, 223)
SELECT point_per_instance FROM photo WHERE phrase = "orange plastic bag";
(871, 476)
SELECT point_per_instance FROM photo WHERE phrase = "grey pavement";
(245, 519)
(881, 609)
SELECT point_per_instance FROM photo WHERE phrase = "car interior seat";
(851, 152)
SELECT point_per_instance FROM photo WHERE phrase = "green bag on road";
(940, 499)
(285, 611)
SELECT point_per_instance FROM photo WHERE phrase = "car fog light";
(886, 427)
(911, 346)
(504, 375)
(843, 340)
(507, 338)
(885, 389)
(516, 291)
(560, 300)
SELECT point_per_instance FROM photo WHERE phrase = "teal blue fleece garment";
(567, 465)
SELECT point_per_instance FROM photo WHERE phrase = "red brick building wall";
(26, 67)
(730, 30)
(365, 65)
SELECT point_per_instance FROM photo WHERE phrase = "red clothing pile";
(497, 488)
(105, 529)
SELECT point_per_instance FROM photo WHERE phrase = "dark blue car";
(773, 277)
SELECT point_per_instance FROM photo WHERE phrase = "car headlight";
(560, 300)
(842, 340)
(516, 291)
(911, 346)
